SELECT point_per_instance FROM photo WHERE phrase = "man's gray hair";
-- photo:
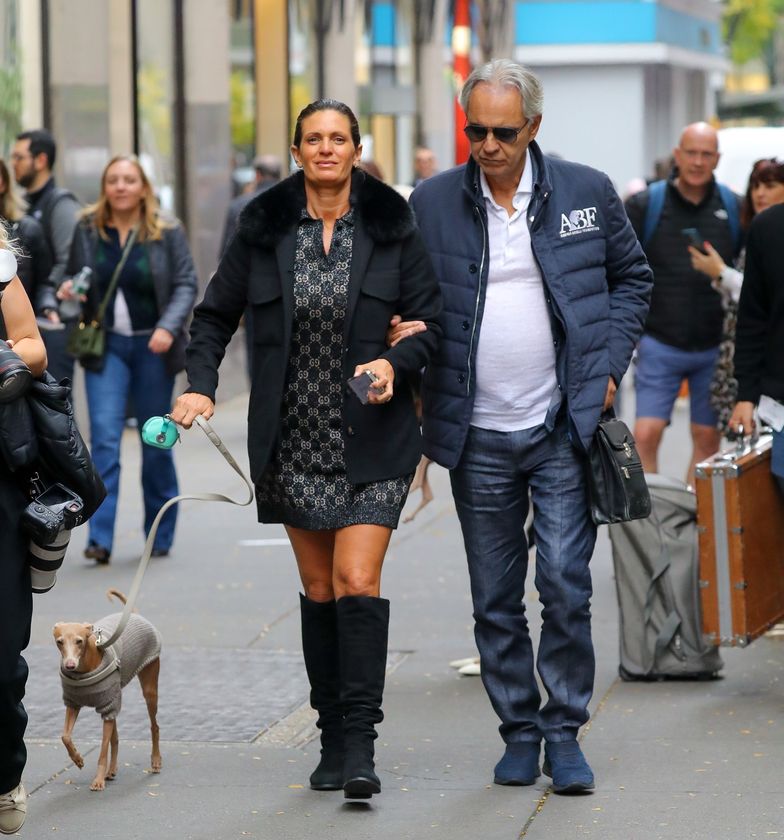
(502, 72)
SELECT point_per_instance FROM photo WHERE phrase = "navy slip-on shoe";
(565, 764)
(519, 765)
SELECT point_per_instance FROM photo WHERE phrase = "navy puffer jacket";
(597, 286)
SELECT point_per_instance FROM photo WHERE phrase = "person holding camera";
(143, 276)
(18, 328)
(324, 259)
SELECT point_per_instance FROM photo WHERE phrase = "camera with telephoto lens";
(48, 520)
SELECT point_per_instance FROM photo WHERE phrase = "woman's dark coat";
(174, 280)
(390, 274)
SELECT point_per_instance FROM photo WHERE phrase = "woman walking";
(146, 312)
(765, 189)
(324, 259)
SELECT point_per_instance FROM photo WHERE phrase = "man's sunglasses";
(503, 133)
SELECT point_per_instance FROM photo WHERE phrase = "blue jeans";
(490, 485)
(130, 370)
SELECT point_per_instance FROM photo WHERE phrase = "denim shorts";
(660, 370)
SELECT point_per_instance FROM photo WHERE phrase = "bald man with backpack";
(683, 329)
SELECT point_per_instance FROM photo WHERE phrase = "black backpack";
(43, 211)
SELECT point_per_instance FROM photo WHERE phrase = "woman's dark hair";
(764, 171)
(327, 105)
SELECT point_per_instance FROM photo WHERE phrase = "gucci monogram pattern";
(305, 483)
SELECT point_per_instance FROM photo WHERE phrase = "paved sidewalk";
(672, 760)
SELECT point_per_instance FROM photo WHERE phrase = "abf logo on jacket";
(578, 221)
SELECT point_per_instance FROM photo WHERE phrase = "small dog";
(95, 678)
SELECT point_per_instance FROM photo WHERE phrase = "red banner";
(461, 53)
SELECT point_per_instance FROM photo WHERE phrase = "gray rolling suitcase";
(657, 582)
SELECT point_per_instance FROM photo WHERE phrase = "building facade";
(198, 87)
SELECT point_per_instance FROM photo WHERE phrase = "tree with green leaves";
(749, 28)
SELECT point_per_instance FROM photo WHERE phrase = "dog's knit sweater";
(139, 644)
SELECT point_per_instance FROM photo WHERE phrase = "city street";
(676, 760)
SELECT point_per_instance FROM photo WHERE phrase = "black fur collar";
(267, 218)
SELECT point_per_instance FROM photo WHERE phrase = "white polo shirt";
(515, 361)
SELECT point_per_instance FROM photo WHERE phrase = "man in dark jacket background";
(57, 211)
(545, 291)
(684, 326)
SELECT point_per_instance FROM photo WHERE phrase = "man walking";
(267, 173)
(57, 210)
(684, 326)
(267, 169)
(425, 165)
(545, 291)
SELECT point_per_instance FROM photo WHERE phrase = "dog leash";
(147, 554)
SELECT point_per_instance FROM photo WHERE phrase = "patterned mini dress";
(305, 483)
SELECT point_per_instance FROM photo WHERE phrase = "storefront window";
(385, 78)
(156, 95)
(10, 76)
(242, 94)
(302, 56)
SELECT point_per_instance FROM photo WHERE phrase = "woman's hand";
(382, 389)
(742, 415)
(66, 292)
(189, 406)
(160, 340)
(709, 263)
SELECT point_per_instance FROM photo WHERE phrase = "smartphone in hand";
(360, 385)
(695, 238)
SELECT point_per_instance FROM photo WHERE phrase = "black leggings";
(16, 613)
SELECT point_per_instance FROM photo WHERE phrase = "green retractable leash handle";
(162, 433)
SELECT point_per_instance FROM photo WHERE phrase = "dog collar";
(112, 664)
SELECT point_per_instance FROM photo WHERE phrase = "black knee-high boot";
(320, 648)
(363, 628)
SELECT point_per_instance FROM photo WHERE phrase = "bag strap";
(730, 203)
(656, 193)
(129, 243)
(199, 497)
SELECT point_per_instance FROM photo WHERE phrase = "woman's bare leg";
(357, 559)
(313, 551)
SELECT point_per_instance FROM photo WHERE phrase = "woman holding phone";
(324, 259)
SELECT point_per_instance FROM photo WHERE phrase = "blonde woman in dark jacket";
(145, 320)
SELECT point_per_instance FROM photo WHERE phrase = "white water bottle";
(80, 284)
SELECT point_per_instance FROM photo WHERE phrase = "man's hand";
(609, 397)
(709, 263)
(188, 406)
(742, 415)
(399, 329)
(160, 340)
(382, 389)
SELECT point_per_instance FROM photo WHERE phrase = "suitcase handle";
(753, 438)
